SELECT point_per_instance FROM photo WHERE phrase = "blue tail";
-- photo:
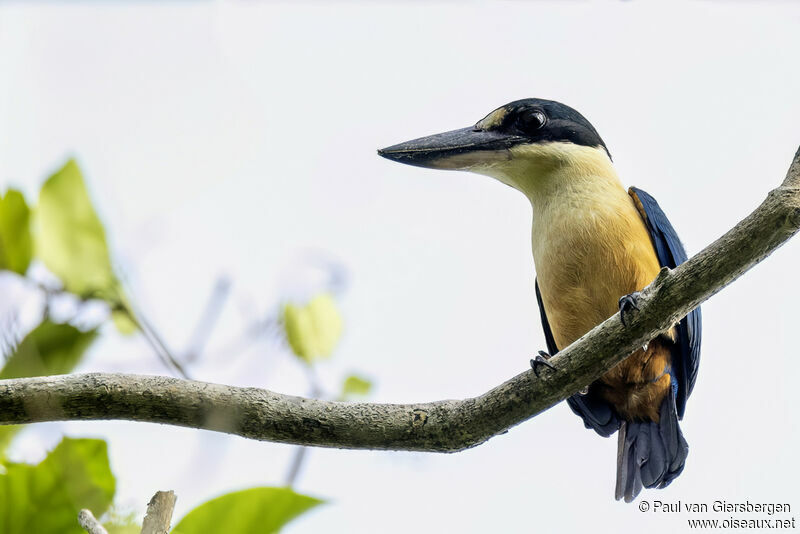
(650, 454)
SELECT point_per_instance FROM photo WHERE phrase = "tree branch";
(159, 513)
(449, 425)
(89, 522)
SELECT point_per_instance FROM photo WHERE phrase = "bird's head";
(519, 144)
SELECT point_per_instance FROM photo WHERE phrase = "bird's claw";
(626, 304)
(541, 360)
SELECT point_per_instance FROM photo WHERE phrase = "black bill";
(456, 149)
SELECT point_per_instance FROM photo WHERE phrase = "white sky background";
(228, 138)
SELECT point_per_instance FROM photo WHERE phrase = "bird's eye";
(531, 120)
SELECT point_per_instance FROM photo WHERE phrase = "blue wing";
(670, 252)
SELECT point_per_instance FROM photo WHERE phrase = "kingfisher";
(595, 246)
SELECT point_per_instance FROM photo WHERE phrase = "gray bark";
(445, 426)
(159, 513)
(89, 522)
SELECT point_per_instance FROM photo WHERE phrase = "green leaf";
(123, 318)
(71, 240)
(262, 510)
(16, 245)
(49, 349)
(47, 497)
(313, 330)
(355, 386)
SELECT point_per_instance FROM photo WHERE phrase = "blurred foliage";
(16, 245)
(122, 528)
(68, 238)
(262, 510)
(355, 386)
(313, 329)
(47, 497)
(49, 349)
(121, 523)
(66, 234)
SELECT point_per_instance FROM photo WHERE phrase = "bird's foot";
(541, 360)
(627, 303)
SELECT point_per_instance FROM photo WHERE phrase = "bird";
(595, 246)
